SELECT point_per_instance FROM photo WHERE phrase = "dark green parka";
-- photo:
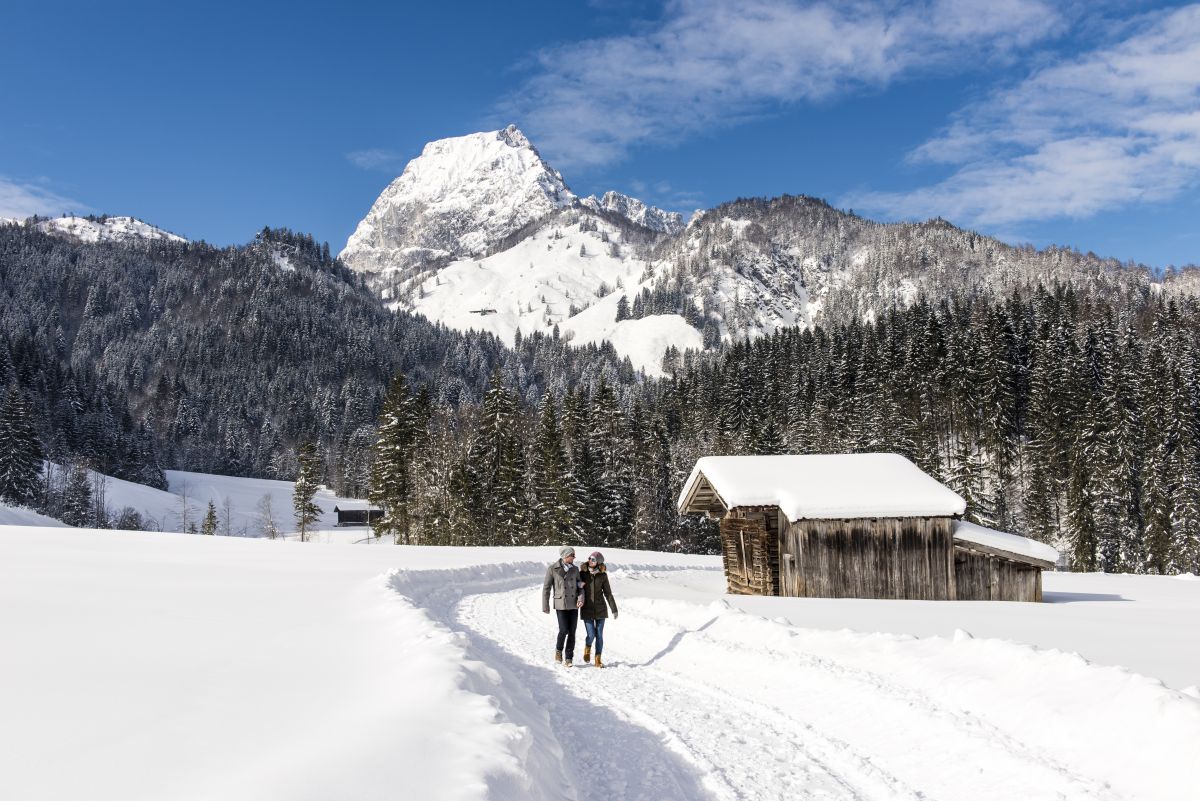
(595, 592)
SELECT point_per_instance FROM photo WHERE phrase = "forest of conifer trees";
(1063, 418)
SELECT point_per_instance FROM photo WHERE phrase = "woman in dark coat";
(597, 599)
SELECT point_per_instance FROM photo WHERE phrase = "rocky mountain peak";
(634, 210)
(458, 198)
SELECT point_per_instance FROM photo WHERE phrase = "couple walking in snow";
(578, 593)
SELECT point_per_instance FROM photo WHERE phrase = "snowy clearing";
(145, 665)
(187, 497)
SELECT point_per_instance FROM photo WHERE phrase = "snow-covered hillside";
(104, 229)
(232, 668)
(187, 497)
(571, 273)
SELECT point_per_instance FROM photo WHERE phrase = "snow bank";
(20, 516)
(1013, 543)
(826, 486)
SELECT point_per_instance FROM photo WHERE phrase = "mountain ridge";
(744, 268)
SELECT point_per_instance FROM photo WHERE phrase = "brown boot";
(587, 653)
(598, 662)
(558, 656)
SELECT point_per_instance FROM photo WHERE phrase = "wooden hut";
(356, 513)
(869, 525)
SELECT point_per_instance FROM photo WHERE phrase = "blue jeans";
(595, 632)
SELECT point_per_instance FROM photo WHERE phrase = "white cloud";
(710, 64)
(20, 200)
(375, 159)
(1116, 126)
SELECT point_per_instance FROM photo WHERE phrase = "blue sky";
(1071, 123)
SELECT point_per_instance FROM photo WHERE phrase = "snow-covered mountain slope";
(104, 229)
(240, 669)
(459, 198)
(571, 272)
(634, 210)
(474, 224)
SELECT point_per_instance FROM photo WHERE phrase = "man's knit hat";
(565, 551)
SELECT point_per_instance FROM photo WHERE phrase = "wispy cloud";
(709, 64)
(1116, 126)
(20, 199)
(376, 159)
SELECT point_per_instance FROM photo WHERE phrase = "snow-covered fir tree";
(307, 483)
(208, 525)
(20, 450)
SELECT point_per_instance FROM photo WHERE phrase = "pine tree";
(614, 512)
(209, 525)
(550, 514)
(494, 471)
(307, 483)
(967, 479)
(77, 498)
(391, 482)
(623, 308)
(20, 451)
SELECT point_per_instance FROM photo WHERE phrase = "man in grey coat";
(562, 579)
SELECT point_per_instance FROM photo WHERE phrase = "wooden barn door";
(751, 556)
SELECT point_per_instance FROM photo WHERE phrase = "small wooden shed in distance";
(356, 513)
(862, 525)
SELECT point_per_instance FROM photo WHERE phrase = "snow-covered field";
(146, 665)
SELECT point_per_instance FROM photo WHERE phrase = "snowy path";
(751, 709)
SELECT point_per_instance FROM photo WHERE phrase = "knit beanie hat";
(599, 557)
(565, 551)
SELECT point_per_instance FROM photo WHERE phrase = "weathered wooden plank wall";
(751, 555)
(982, 577)
(869, 558)
(910, 558)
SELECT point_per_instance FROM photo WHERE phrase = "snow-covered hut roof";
(1005, 544)
(824, 486)
(355, 506)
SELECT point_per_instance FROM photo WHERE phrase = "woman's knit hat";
(599, 557)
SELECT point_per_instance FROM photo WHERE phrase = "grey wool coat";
(562, 581)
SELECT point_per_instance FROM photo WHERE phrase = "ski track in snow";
(671, 716)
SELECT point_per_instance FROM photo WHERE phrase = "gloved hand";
(616, 614)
